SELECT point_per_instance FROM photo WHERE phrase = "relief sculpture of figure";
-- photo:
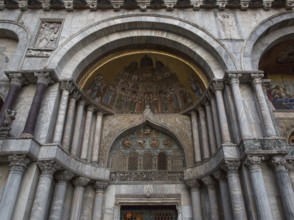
(127, 142)
(48, 35)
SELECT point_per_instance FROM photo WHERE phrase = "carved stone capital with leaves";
(18, 162)
(81, 181)
(278, 163)
(290, 165)
(16, 79)
(257, 78)
(234, 78)
(253, 162)
(217, 85)
(63, 175)
(209, 182)
(193, 184)
(220, 175)
(67, 85)
(100, 186)
(48, 167)
(231, 166)
(43, 77)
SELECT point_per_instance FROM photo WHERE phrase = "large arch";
(13, 30)
(74, 55)
(269, 33)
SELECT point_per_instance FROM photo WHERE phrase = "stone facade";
(218, 145)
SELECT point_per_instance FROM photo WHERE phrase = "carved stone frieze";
(81, 181)
(48, 167)
(146, 176)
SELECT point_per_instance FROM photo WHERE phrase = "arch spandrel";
(178, 126)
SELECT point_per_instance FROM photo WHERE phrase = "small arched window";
(162, 161)
(133, 161)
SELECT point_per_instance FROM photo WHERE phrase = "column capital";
(253, 161)
(90, 108)
(231, 166)
(16, 79)
(48, 167)
(257, 77)
(200, 108)
(81, 181)
(220, 175)
(99, 113)
(100, 186)
(63, 175)
(67, 85)
(278, 162)
(290, 165)
(217, 84)
(193, 184)
(18, 162)
(234, 78)
(76, 94)
(43, 77)
(209, 182)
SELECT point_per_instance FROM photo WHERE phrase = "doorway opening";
(168, 212)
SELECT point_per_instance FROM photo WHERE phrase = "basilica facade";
(146, 110)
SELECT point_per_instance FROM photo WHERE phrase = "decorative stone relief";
(228, 25)
(38, 53)
(6, 127)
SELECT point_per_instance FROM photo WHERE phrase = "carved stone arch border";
(75, 54)
(18, 32)
(270, 32)
(175, 125)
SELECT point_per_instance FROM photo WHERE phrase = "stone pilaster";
(100, 188)
(211, 133)
(194, 185)
(62, 179)
(264, 109)
(87, 132)
(18, 165)
(41, 201)
(68, 129)
(66, 87)
(243, 122)
(224, 127)
(77, 200)
(204, 137)
(262, 202)
(195, 133)
(236, 195)
(210, 184)
(225, 195)
(77, 129)
(97, 137)
(285, 186)
(42, 84)
(16, 81)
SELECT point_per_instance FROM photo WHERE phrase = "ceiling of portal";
(128, 81)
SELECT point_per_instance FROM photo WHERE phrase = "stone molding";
(81, 181)
(48, 167)
(63, 176)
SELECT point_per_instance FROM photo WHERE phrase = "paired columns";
(18, 165)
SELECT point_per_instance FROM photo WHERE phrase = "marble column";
(235, 190)
(243, 122)
(77, 129)
(68, 128)
(216, 122)
(42, 84)
(262, 203)
(211, 132)
(210, 184)
(194, 186)
(97, 138)
(62, 178)
(18, 165)
(87, 132)
(284, 185)
(66, 87)
(99, 199)
(16, 81)
(224, 127)
(42, 196)
(204, 137)
(77, 200)
(195, 133)
(264, 108)
(225, 195)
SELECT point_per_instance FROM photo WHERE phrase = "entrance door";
(148, 213)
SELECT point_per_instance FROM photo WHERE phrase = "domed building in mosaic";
(146, 110)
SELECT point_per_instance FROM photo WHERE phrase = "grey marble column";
(194, 186)
(68, 129)
(210, 184)
(41, 201)
(204, 137)
(235, 190)
(225, 131)
(195, 133)
(87, 132)
(225, 195)
(99, 199)
(66, 87)
(18, 165)
(77, 129)
(216, 122)
(16, 81)
(262, 202)
(284, 185)
(97, 138)
(242, 118)
(211, 132)
(264, 108)
(77, 200)
(42, 84)
(62, 179)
